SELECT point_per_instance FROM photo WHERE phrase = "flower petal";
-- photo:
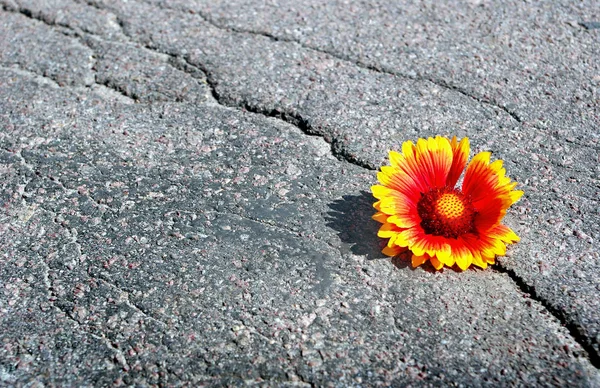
(393, 251)
(432, 245)
(462, 254)
(427, 163)
(380, 217)
(407, 237)
(504, 233)
(478, 177)
(436, 263)
(477, 258)
(484, 181)
(490, 212)
(460, 154)
(381, 192)
(388, 230)
(515, 195)
(397, 204)
(407, 220)
(418, 260)
(490, 191)
(399, 180)
(435, 159)
(407, 163)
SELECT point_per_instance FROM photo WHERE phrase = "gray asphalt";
(184, 192)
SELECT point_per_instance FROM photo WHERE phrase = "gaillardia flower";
(423, 213)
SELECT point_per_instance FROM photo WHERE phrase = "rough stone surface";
(146, 76)
(534, 60)
(184, 193)
(34, 46)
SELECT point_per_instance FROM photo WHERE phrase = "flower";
(423, 213)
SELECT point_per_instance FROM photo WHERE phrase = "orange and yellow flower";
(423, 213)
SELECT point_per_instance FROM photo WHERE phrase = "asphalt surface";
(185, 192)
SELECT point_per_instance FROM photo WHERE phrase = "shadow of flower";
(351, 218)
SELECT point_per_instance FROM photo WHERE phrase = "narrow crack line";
(303, 380)
(40, 17)
(273, 225)
(129, 303)
(371, 67)
(29, 14)
(182, 64)
(356, 62)
(374, 68)
(80, 36)
(93, 4)
(31, 74)
(70, 317)
(464, 92)
(575, 330)
(22, 159)
(50, 297)
(116, 88)
(119, 355)
(279, 227)
(338, 150)
(54, 83)
(251, 329)
(46, 280)
(172, 61)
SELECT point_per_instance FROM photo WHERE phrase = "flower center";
(446, 212)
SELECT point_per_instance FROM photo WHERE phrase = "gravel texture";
(184, 193)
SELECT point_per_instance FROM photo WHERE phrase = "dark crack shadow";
(575, 328)
(350, 217)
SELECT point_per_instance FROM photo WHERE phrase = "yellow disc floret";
(450, 206)
(446, 212)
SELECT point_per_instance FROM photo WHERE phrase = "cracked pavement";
(184, 193)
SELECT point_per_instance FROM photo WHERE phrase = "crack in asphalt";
(39, 16)
(52, 298)
(119, 356)
(575, 330)
(31, 74)
(337, 148)
(356, 62)
(79, 35)
(128, 301)
(275, 225)
(371, 67)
